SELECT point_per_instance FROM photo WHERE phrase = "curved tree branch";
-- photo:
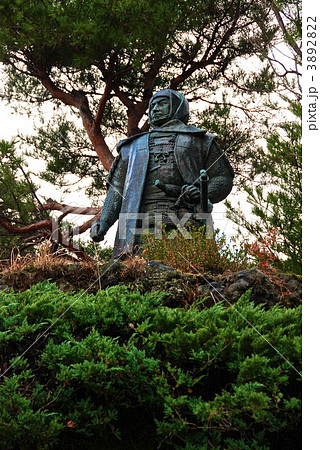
(288, 37)
(47, 223)
(55, 206)
(57, 236)
(78, 100)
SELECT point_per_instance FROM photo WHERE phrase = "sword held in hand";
(204, 179)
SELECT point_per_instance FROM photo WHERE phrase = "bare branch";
(289, 38)
(109, 75)
(82, 228)
(79, 100)
(56, 234)
(47, 223)
(55, 206)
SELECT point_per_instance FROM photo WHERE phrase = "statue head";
(166, 105)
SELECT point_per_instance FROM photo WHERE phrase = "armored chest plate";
(162, 165)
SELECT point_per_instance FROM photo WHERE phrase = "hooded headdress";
(179, 106)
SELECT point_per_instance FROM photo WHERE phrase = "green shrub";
(120, 370)
(195, 254)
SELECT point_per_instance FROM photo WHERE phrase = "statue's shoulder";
(129, 140)
(205, 139)
(211, 142)
(124, 145)
(192, 129)
(198, 132)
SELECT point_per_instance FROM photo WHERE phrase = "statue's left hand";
(191, 194)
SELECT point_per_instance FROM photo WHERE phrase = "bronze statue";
(171, 174)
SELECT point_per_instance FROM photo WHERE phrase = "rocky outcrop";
(269, 290)
(158, 276)
(180, 288)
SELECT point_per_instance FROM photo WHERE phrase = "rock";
(110, 273)
(212, 288)
(72, 268)
(236, 284)
(160, 272)
(158, 276)
(154, 276)
(281, 288)
(181, 288)
(290, 286)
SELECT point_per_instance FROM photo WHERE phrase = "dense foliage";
(18, 197)
(121, 370)
(104, 61)
(277, 199)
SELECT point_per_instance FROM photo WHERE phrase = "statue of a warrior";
(170, 175)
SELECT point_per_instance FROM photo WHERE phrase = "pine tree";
(277, 199)
(101, 63)
(104, 61)
(18, 198)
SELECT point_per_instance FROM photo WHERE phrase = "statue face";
(160, 110)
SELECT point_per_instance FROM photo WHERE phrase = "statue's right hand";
(98, 230)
